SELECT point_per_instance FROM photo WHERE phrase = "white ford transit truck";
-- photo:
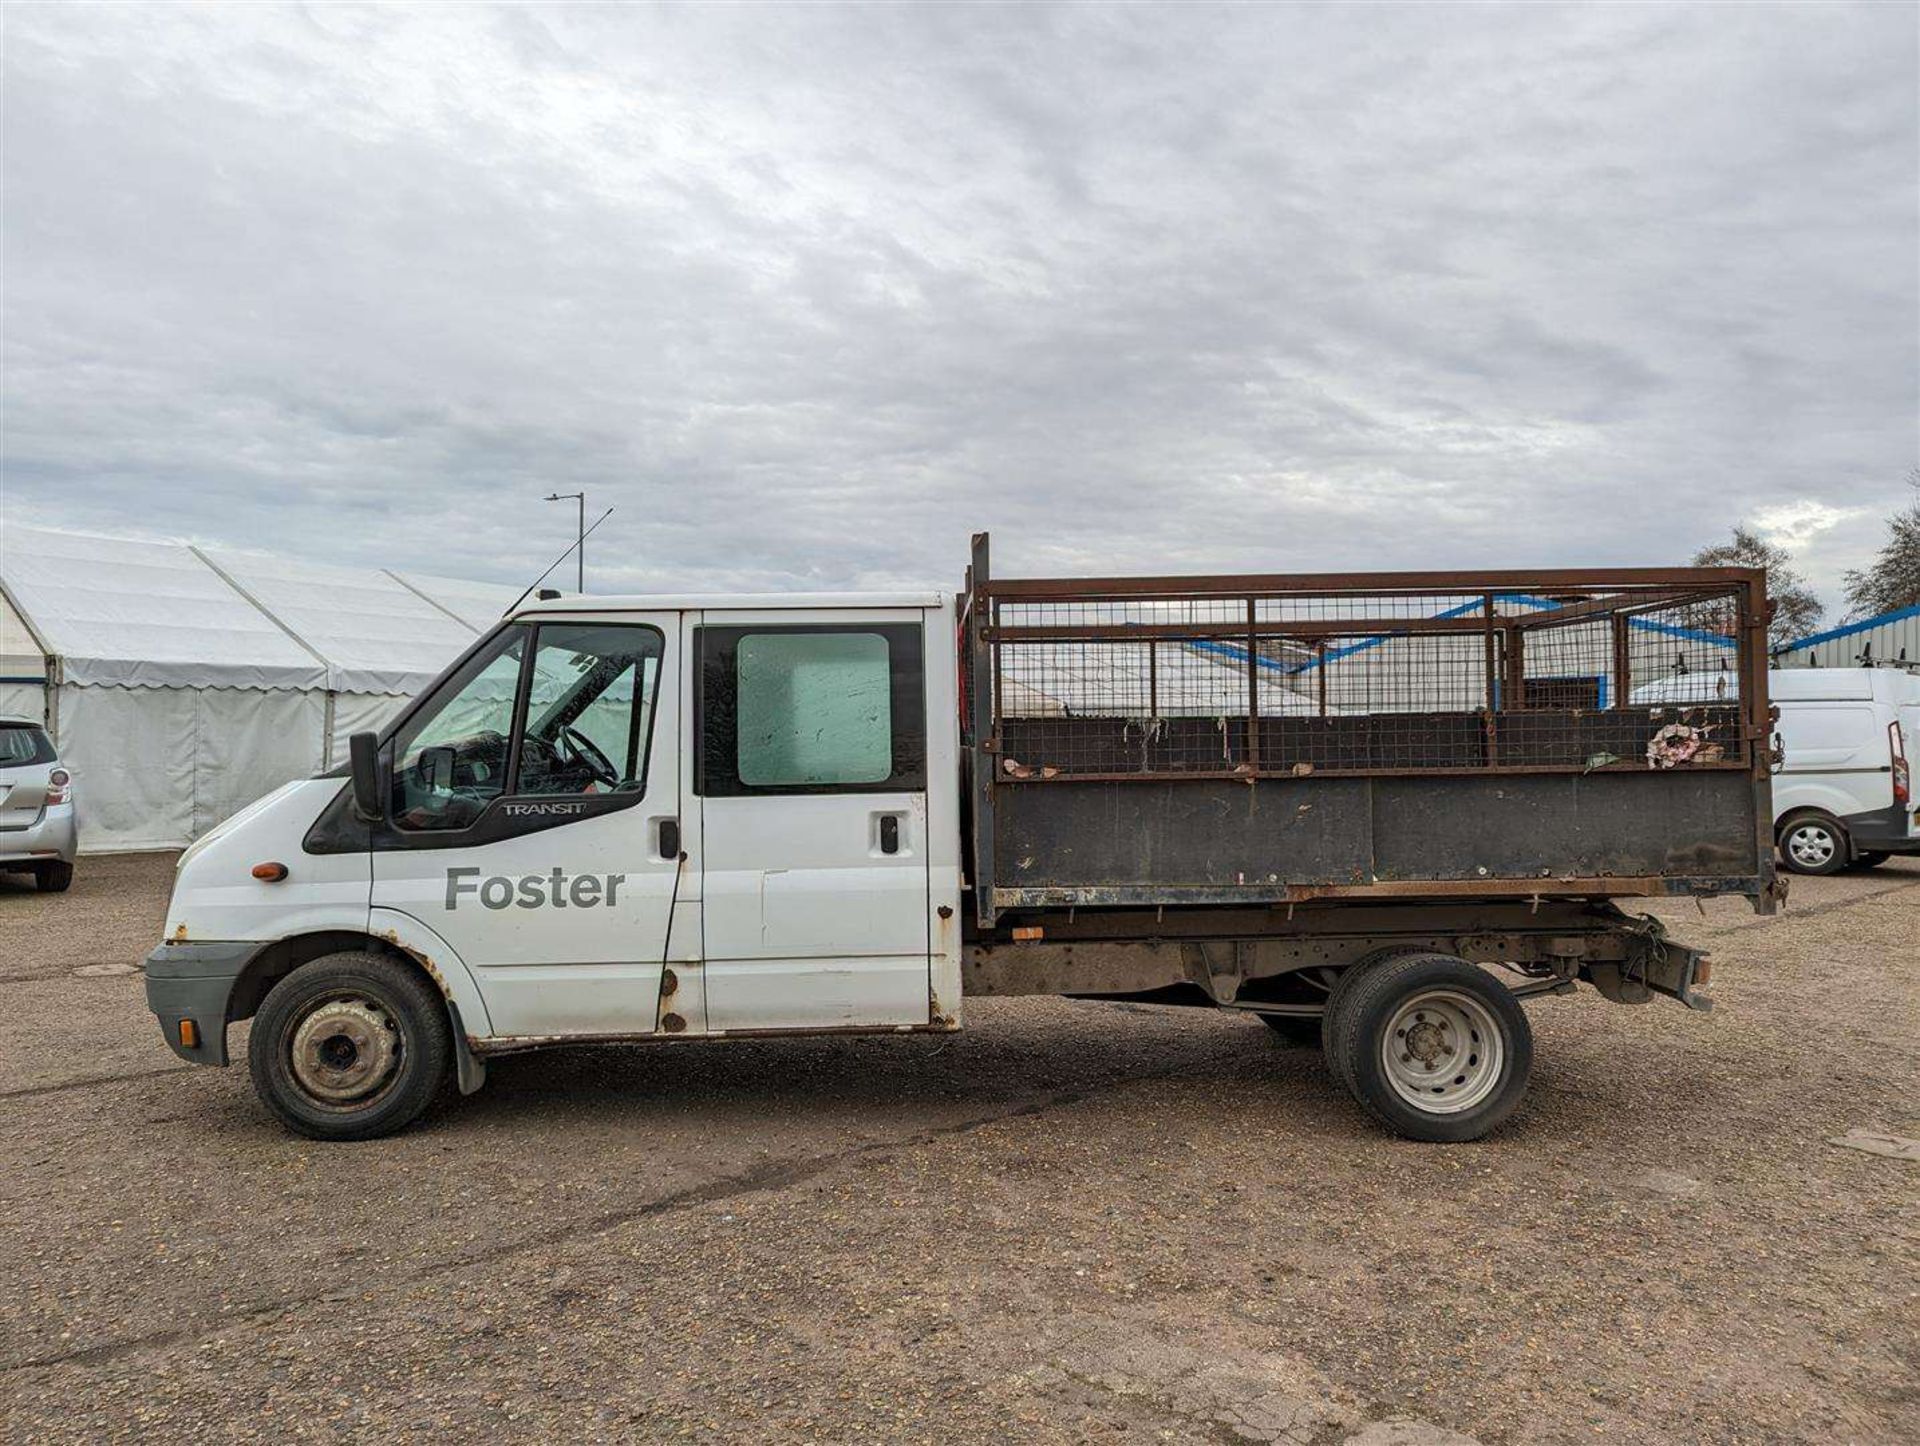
(1379, 812)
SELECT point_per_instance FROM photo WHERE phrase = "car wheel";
(349, 1047)
(1431, 1046)
(1813, 843)
(53, 878)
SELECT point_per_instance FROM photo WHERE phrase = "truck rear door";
(811, 769)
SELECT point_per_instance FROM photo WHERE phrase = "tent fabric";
(158, 767)
(182, 683)
(21, 656)
(477, 604)
(145, 615)
(24, 700)
(359, 713)
(376, 634)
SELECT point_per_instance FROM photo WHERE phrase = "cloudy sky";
(808, 294)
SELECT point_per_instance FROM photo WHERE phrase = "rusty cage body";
(1255, 741)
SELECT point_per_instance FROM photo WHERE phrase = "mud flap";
(469, 1070)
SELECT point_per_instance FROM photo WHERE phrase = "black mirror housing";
(363, 753)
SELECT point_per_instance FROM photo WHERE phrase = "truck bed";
(1176, 742)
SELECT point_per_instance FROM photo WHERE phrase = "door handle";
(889, 833)
(669, 838)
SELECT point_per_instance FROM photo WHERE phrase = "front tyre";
(1433, 1047)
(349, 1047)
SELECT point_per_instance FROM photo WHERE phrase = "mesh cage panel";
(1346, 681)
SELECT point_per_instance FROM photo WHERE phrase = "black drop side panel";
(1327, 831)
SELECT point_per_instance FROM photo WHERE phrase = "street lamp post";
(580, 546)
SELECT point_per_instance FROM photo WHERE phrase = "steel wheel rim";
(1443, 1052)
(345, 1051)
(1811, 844)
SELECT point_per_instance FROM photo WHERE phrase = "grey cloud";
(811, 293)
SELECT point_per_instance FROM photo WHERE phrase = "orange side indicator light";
(1029, 934)
(189, 1034)
(270, 873)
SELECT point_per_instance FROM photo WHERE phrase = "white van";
(1844, 792)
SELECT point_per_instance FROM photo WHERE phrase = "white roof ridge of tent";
(136, 612)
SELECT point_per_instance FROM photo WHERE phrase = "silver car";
(38, 835)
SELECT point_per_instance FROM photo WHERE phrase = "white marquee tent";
(183, 682)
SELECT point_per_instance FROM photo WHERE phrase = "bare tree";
(1893, 582)
(1796, 611)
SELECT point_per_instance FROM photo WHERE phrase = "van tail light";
(1902, 780)
(59, 786)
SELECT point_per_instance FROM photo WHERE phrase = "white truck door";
(533, 822)
(811, 765)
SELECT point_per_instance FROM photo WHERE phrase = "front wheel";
(349, 1046)
(1433, 1047)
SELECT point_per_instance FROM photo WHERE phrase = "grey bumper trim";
(195, 981)
(1881, 830)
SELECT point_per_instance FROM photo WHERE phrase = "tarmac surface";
(1071, 1222)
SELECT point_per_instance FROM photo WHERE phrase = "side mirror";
(363, 753)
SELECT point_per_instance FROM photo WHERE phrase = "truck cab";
(682, 817)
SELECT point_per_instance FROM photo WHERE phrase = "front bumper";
(195, 981)
(54, 835)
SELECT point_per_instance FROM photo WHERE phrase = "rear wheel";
(349, 1047)
(1431, 1046)
(55, 877)
(1813, 843)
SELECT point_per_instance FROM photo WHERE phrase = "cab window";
(820, 708)
(589, 709)
(564, 709)
(450, 758)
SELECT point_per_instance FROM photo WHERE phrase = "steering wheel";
(588, 752)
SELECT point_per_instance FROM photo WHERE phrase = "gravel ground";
(1072, 1222)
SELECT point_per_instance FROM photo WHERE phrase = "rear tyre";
(1871, 859)
(1336, 997)
(53, 878)
(349, 1047)
(1431, 1046)
(1293, 1029)
(1813, 843)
